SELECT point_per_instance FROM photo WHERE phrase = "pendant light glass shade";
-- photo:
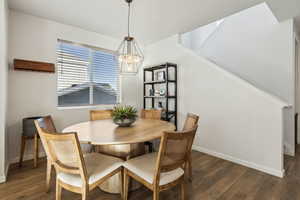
(130, 56)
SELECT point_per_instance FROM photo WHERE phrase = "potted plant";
(124, 116)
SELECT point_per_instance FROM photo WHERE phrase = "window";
(86, 75)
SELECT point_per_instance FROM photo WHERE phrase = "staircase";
(247, 44)
(255, 47)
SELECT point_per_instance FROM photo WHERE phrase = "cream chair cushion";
(144, 167)
(97, 165)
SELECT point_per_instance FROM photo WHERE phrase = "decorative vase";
(124, 122)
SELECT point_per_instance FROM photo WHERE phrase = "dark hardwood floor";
(214, 178)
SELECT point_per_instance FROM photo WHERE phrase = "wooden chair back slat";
(47, 124)
(64, 151)
(151, 114)
(100, 114)
(174, 150)
(191, 121)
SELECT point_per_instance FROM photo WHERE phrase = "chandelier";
(130, 56)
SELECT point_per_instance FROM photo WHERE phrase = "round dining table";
(123, 142)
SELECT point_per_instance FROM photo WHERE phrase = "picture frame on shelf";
(151, 92)
(160, 76)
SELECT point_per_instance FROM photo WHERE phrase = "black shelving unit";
(170, 78)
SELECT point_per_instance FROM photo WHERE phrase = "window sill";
(102, 107)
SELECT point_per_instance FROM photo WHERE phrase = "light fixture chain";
(130, 57)
(128, 28)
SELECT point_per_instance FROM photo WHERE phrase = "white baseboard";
(288, 150)
(6, 169)
(264, 169)
(3, 178)
(26, 157)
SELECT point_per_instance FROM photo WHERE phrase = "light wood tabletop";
(105, 132)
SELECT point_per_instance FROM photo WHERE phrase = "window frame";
(88, 106)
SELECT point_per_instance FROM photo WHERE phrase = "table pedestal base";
(125, 152)
(112, 185)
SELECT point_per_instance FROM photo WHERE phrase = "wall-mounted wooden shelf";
(28, 65)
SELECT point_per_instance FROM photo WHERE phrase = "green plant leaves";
(124, 112)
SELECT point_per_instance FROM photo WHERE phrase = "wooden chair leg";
(58, 190)
(122, 183)
(36, 150)
(84, 196)
(155, 194)
(190, 168)
(84, 193)
(182, 190)
(126, 184)
(23, 144)
(48, 175)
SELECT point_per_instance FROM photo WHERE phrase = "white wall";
(253, 45)
(3, 87)
(297, 85)
(238, 122)
(34, 93)
(197, 38)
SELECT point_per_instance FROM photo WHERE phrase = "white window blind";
(86, 75)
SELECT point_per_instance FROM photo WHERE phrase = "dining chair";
(100, 114)
(150, 114)
(29, 132)
(163, 170)
(47, 124)
(74, 172)
(191, 122)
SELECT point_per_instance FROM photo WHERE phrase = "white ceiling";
(153, 19)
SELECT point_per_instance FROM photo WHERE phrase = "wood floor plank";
(246, 187)
(221, 182)
(213, 179)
